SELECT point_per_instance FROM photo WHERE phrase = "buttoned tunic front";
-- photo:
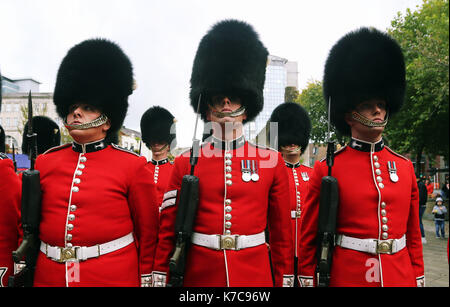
(378, 199)
(162, 170)
(231, 203)
(299, 176)
(93, 194)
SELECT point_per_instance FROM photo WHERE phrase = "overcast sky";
(161, 38)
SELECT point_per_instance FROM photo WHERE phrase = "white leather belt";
(372, 246)
(81, 253)
(233, 242)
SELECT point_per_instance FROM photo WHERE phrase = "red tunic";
(228, 205)
(299, 176)
(162, 170)
(10, 195)
(372, 204)
(92, 198)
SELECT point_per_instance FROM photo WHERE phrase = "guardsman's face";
(374, 110)
(82, 113)
(224, 104)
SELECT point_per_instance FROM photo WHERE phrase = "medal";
(305, 176)
(245, 169)
(255, 176)
(392, 171)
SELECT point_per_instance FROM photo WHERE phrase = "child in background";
(439, 211)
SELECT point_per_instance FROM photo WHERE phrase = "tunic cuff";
(159, 279)
(420, 281)
(305, 281)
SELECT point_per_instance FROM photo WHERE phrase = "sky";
(161, 38)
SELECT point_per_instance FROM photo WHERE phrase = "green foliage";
(422, 125)
(311, 99)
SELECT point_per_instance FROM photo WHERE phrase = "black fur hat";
(48, 134)
(96, 72)
(362, 65)
(294, 125)
(230, 60)
(156, 123)
(2, 139)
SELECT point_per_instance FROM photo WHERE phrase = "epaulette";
(184, 151)
(124, 149)
(307, 166)
(56, 148)
(398, 155)
(261, 146)
(336, 152)
(3, 156)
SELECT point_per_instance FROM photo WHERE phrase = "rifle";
(328, 208)
(14, 158)
(186, 212)
(31, 213)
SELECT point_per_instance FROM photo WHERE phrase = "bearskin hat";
(156, 123)
(95, 72)
(230, 60)
(2, 139)
(294, 125)
(47, 131)
(362, 65)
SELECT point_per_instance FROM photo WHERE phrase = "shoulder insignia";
(56, 148)
(398, 155)
(184, 151)
(124, 149)
(261, 146)
(336, 152)
(3, 156)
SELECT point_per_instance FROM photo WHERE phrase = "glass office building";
(280, 73)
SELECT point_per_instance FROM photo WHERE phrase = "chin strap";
(162, 148)
(284, 148)
(367, 122)
(235, 113)
(102, 119)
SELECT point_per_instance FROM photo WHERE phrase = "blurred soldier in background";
(294, 128)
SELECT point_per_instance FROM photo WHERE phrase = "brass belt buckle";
(228, 242)
(384, 247)
(67, 253)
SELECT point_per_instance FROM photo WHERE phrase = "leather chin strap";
(297, 149)
(102, 119)
(162, 148)
(367, 122)
(235, 113)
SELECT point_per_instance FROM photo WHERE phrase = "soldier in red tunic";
(159, 135)
(294, 128)
(242, 187)
(378, 237)
(10, 193)
(99, 203)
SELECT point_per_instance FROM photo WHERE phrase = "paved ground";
(435, 255)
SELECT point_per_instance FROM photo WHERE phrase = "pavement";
(435, 255)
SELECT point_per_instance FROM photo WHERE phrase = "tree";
(312, 100)
(422, 126)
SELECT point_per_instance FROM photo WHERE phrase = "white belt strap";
(372, 246)
(233, 242)
(81, 253)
